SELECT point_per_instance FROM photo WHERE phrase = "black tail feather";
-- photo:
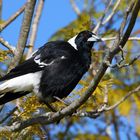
(9, 76)
(11, 96)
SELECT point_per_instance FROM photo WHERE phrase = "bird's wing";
(28, 66)
(26, 77)
(61, 77)
(43, 57)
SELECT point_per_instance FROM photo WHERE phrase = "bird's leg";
(51, 107)
(62, 101)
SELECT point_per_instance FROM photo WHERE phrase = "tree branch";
(131, 23)
(112, 13)
(114, 38)
(35, 26)
(7, 45)
(119, 65)
(8, 115)
(29, 9)
(12, 18)
(102, 18)
(75, 7)
(44, 119)
(123, 24)
(54, 117)
(123, 99)
(95, 113)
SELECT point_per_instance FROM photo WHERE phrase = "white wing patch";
(72, 42)
(42, 64)
(63, 57)
(27, 82)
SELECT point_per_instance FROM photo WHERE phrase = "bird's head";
(84, 39)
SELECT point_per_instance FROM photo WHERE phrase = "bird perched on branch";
(52, 72)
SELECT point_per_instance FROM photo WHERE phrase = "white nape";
(72, 42)
(27, 82)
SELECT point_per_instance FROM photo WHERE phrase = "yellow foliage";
(1, 22)
(3, 55)
(125, 108)
(138, 129)
(80, 24)
(29, 106)
(137, 100)
(5, 134)
(97, 97)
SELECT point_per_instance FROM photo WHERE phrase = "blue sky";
(53, 18)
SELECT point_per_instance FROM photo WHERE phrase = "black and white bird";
(52, 71)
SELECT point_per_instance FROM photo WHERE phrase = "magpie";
(52, 71)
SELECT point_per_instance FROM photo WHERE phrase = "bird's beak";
(95, 38)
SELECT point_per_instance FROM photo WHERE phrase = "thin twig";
(29, 9)
(122, 27)
(91, 114)
(75, 7)
(102, 18)
(114, 38)
(106, 95)
(131, 24)
(47, 116)
(8, 115)
(34, 27)
(119, 65)
(112, 13)
(128, 10)
(123, 99)
(122, 55)
(98, 112)
(12, 18)
(132, 61)
(7, 45)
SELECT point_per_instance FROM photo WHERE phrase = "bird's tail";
(7, 94)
